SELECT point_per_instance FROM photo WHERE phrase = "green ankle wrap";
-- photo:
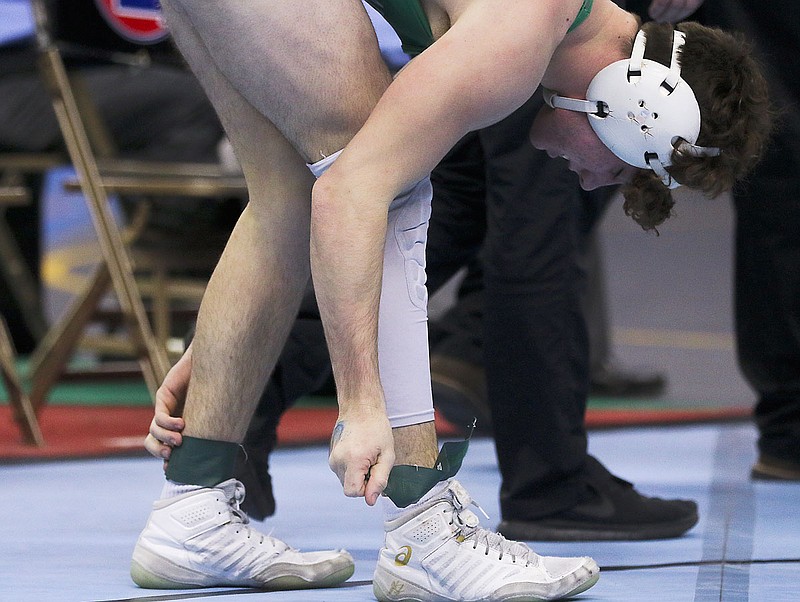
(202, 462)
(407, 484)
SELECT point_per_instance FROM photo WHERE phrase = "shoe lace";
(235, 492)
(468, 529)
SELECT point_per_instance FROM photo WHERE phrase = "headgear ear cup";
(642, 115)
(640, 109)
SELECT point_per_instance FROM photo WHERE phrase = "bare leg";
(318, 94)
(416, 444)
(253, 295)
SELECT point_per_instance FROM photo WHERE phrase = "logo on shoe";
(404, 557)
(396, 588)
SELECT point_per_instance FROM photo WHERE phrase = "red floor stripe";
(90, 431)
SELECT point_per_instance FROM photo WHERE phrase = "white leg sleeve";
(403, 319)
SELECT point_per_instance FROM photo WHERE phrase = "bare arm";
(482, 69)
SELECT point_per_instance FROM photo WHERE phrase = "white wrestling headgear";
(640, 109)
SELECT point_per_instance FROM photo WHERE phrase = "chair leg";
(152, 358)
(53, 352)
(24, 414)
(160, 299)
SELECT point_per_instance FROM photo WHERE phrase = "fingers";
(378, 479)
(355, 479)
(362, 454)
(172, 392)
(167, 429)
(367, 483)
(166, 426)
(364, 477)
(155, 448)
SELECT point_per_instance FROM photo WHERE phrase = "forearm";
(347, 240)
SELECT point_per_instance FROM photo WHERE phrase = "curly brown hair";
(734, 110)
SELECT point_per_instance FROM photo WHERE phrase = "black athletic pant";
(767, 204)
(533, 218)
(767, 293)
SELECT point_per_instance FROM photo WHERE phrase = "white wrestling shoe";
(202, 539)
(436, 550)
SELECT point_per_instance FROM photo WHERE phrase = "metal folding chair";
(23, 412)
(80, 30)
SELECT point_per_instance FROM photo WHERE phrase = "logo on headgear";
(138, 21)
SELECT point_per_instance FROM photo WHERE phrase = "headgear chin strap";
(641, 109)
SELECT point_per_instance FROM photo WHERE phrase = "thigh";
(279, 183)
(312, 68)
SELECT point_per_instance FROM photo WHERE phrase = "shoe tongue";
(435, 493)
(234, 493)
(461, 496)
(233, 489)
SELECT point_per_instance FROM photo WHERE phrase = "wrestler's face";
(567, 134)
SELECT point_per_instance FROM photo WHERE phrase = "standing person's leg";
(458, 216)
(767, 284)
(303, 368)
(536, 357)
(767, 288)
(456, 235)
(767, 294)
(537, 387)
(266, 263)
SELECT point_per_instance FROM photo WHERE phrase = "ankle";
(416, 445)
(392, 512)
(203, 462)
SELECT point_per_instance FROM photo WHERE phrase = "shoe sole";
(400, 590)
(530, 531)
(148, 578)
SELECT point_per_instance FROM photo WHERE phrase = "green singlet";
(412, 27)
(583, 12)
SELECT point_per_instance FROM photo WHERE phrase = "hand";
(166, 426)
(672, 11)
(362, 454)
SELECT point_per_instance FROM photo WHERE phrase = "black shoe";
(611, 510)
(769, 468)
(611, 380)
(459, 392)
